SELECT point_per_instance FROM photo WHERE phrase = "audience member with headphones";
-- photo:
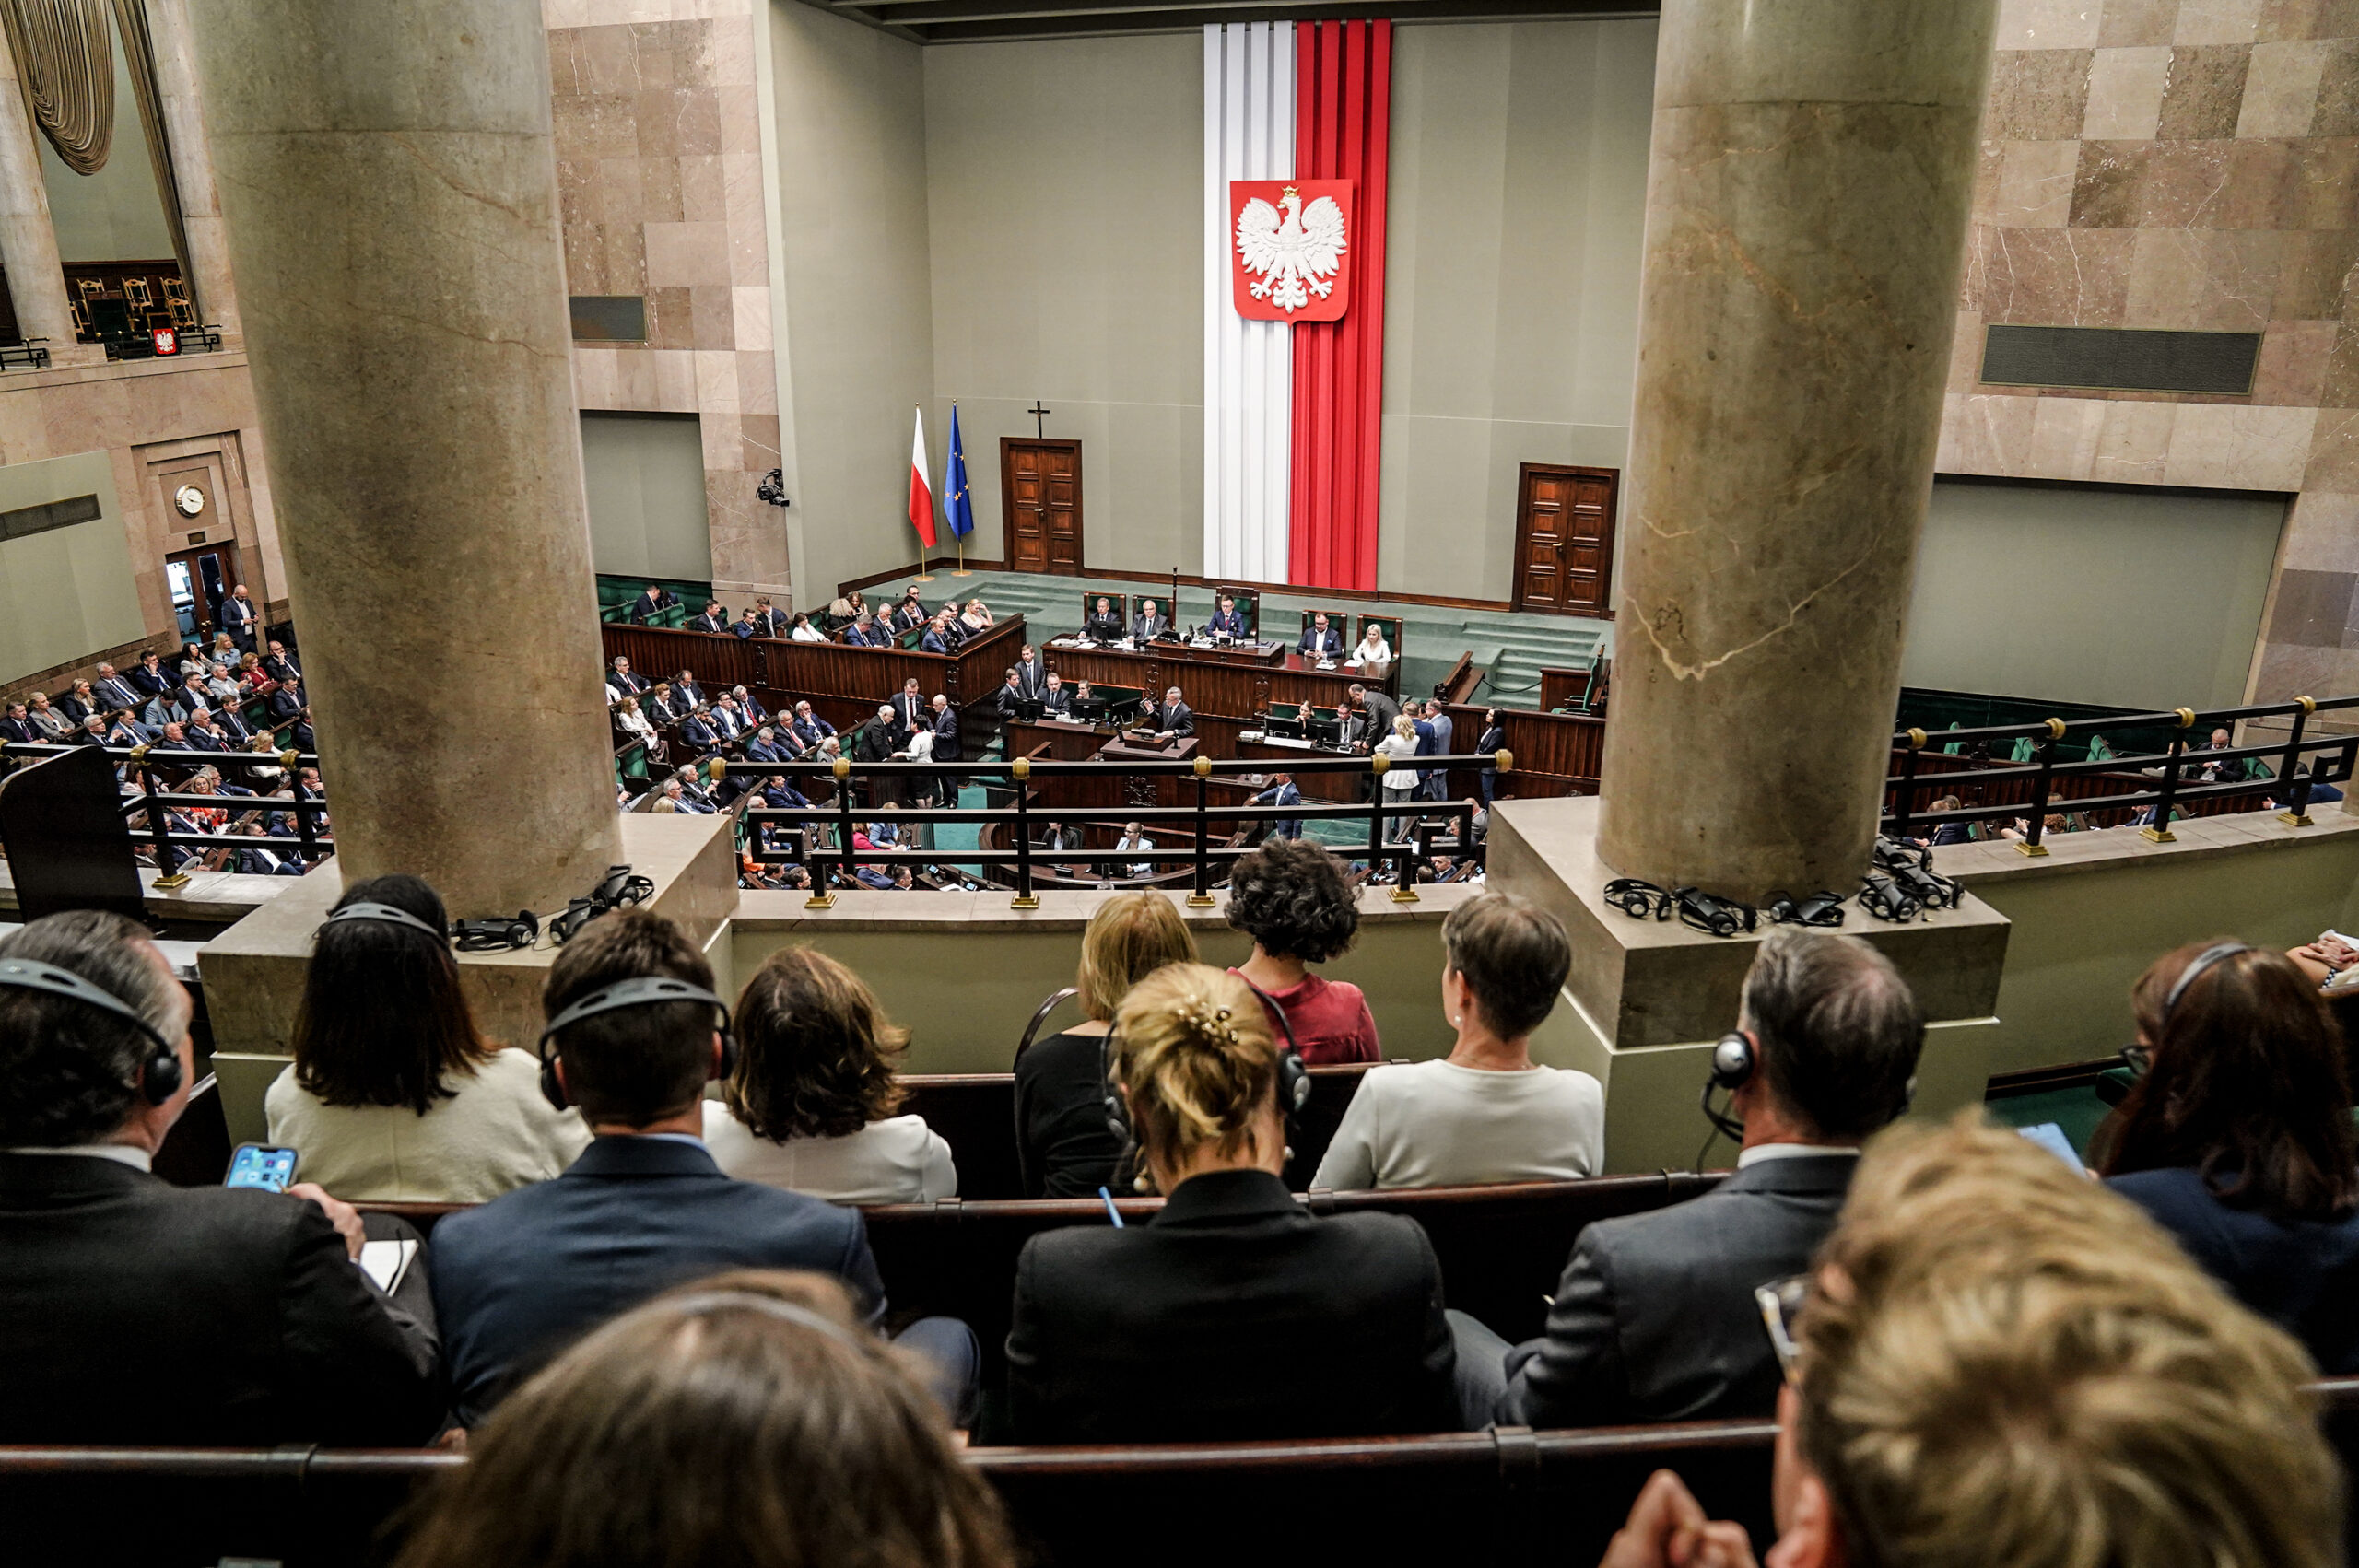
(634, 1034)
(136, 1312)
(2238, 1137)
(1233, 1313)
(1655, 1317)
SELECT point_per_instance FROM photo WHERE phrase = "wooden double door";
(1564, 540)
(1040, 499)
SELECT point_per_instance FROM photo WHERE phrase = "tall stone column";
(27, 241)
(388, 181)
(1811, 169)
(208, 254)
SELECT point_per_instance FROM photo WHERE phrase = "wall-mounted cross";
(1040, 417)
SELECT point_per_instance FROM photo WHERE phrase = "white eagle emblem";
(1294, 257)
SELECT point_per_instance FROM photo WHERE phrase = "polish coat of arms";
(1290, 252)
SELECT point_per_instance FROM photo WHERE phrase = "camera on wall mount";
(773, 488)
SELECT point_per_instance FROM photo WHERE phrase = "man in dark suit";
(711, 618)
(237, 617)
(1008, 701)
(1102, 624)
(946, 730)
(1227, 619)
(1031, 676)
(750, 706)
(685, 689)
(651, 603)
(1149, 623)
(203, 735)
(302, 736)
(16, 726)
(624, 680)
(149, 678)
(863, 632)
(234, 729)
(1445, 733)
(764, 747)
(937, 635)
(1380, 711)
(1655, 1319)
(877, 739)
(114, 692)
(1320, 641)
(768, 619)
(1054, 699)
(1282, 792)
(280, 665)
(809, 727)
(1174, 717)
(911, 712)
(698, 732)
(644, 1208)
(135, 1311)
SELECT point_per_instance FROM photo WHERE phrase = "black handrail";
(2332, 760)
(153, 800)
(1024, 815)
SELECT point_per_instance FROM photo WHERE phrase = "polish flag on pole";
(920, 487)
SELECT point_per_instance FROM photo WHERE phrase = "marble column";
(208, 254)
(388, 187)
(27, 241)
(1811, 169)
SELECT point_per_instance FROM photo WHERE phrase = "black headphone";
(648, 990)
(160, 1074)
(1294, 1080)
(1733, 1063)
(2203, 961)
(384, 914)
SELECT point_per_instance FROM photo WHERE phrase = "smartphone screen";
(262, 1166)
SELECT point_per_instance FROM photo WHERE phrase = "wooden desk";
(1213, 681)
(1065, 742)
(1555, 754)
(1314, 786)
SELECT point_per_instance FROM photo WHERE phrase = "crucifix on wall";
(1040, 417)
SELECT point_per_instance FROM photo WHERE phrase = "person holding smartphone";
(136, 1312)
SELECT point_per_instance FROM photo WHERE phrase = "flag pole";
(962, 570)
(924, 574)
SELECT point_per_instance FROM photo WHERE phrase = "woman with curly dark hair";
(1290, 898)
(810, 1105)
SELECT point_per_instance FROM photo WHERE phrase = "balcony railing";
(149, 806)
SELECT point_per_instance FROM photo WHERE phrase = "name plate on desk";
(1287, 740)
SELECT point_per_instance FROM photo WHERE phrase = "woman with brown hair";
(1234, 1313)
(745, 1419)
(1063, 1148)
(393, 1095)
(811, 1104)
(2237, 1139)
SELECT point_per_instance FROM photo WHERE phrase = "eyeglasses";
(1781, 1304)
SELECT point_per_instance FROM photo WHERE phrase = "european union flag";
(958, 506)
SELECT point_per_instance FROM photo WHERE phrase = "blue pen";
(1111, 1212)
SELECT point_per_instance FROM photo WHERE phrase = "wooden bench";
(1512, 1495)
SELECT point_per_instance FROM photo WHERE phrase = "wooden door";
(1039, 490)
(1564, 540)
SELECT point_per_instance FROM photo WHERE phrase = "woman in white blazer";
(1400, 778)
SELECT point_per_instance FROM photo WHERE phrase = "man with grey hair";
(1655, 1317)
(136, 1311)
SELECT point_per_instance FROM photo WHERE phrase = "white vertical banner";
(1248, 366)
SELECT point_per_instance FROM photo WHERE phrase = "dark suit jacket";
(1056, 700)
(518, 1279)
(282, 669)
(137, 1312)
(2302, 1277)
(151, 682)
(873, 742)
(945, 736)
(707, 624)
(910, 714)
(1144, 627)
(1230, 624)
(1381, 711)
(1107, 627)
(1032, 679)
(699, 733)
(17, 729)
(1655, 1319)
(1312, 643)
(933, 642)
(1235, 1314)
(1180, 718)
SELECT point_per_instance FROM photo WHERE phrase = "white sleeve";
(1349, 1165)
(941, 1178)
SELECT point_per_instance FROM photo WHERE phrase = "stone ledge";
(1061, 910)
(2107, 848)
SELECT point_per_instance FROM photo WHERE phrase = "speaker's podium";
(1130, 788)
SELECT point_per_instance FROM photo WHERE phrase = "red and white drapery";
(1294, 412)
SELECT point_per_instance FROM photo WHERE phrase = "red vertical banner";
(1343, 126)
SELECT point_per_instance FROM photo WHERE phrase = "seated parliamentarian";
(644, 1208)
(393, 1095)
(1054, 697)
(811, 1105)
(1290, 898)
(1102, 624)
(1373, 654)
(1227, 619)
(745, 1418)
(1234, 1313)
(1149, 623)
(2238, 1140)
(137, 1312)
(1485, 1113)
(1063, 1147)
(937, 637)
(803, 630)
(1655, 1317)
(653, 602)
(1320, 641)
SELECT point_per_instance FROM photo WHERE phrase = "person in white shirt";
(1400, 780)
(810, 1103)
(1486, 1112)
(393, 1097)
(1135, 838)
(632, 722)
(1374, 655)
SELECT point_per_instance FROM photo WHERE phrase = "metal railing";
(1024, 818)
(153, 799)
(2155, 781)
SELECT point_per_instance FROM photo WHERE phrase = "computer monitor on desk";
(1287, 725)
(1325, 729)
